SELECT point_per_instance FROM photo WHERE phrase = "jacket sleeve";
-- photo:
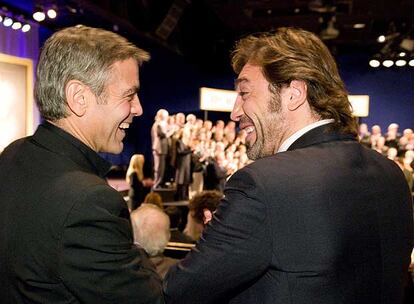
(234, 250)
(99, 263)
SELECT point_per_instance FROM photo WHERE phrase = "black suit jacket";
(65, 233)
(328, 221)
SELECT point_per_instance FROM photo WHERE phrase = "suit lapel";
(319, 135)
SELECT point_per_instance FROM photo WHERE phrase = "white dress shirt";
(291, 139)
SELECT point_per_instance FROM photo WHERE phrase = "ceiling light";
(7, 21)
(374, 63)
(388, 63)
(17, 25)
(400, 62)
(402, 54)
(39, 14)
(411, 63)
(51, 13)
(359, 25)
(26, 28)
(381, 39)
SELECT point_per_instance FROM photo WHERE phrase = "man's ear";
(208, 215)
(76, 97)
(298, 94)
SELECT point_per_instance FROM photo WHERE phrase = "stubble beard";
(271, 127)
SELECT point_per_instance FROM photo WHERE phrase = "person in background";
(151, 228)
(65, 234)
(364, 135)
(138, 186)
(201, 209)
(154, 198)
(183, 165)
(316, 218)
(376, 136)
(392, 136)
(159, 137)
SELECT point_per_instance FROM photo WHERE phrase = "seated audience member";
(138, 186)
(201, 209)
(175, 215)
(155, 199)
(151, 227)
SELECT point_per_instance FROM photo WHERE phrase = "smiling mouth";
(124, 126)
(249, 129)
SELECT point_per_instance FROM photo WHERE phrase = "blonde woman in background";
(138, 185)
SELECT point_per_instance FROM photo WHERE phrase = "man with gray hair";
(151, 228)
(65, 234)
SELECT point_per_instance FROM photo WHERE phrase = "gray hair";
(82, 53)
(151, 227)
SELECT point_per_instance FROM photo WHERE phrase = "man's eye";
(131, 97)
(243, 94)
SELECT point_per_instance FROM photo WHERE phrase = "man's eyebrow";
(133, 90)
(238, 81)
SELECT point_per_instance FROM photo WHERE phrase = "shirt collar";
(86, 156)
(291, 139)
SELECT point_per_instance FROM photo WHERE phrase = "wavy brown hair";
(295, 54)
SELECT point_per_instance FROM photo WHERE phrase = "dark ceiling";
(204, 31)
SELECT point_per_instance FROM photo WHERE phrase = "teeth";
(249, 129)
(124, 125)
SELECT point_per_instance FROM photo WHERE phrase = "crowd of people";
(397, 146)
(189, 155)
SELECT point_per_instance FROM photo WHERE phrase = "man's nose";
(136, 108)
(237, 111)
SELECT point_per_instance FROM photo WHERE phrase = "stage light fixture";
(411, 62)
(52, 13)
(17, 25)
(1, 18)
(400, 62)
(388, 63)
(39, 14)
(26, 28)
(381, 39)
(7, 21)
(359, 25)
(374, 63)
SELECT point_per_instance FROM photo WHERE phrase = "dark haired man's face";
(260, 113)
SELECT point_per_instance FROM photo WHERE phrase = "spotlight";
(374, 63)
(411, 63)
(52, 13)
(402, 54)
(359, 25)
(17, 25)
(7, 21)
(1, 18)
(388, 63)
(400, 62)
(39, 14)
(381, 39)
(26, 28)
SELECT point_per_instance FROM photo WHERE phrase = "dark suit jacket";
(328, 221)
(65, 233)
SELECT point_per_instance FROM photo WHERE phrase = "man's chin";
(114, 149)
